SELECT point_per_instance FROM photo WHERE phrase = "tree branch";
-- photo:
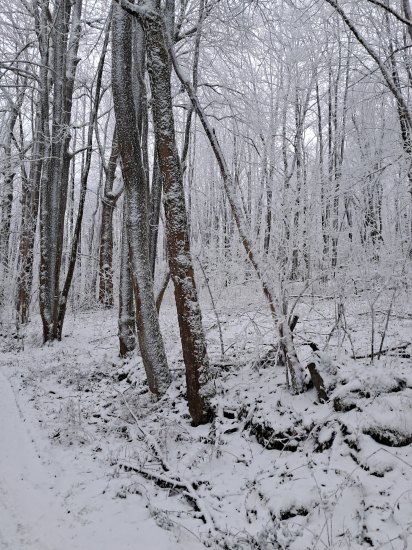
(391, 11)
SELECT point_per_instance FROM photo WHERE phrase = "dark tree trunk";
(178, 247)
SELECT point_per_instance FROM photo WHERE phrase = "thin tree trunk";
(76, 242)
(7, 195)
(155, 206)
(54, 184)
(126, 321)
(109, 201)
(29, 220)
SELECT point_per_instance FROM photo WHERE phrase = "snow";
(51, 500)
(273, 470)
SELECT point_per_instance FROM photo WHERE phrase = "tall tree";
(65, 37)
(129, 144)
(177, 233)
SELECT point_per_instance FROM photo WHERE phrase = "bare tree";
(150, 339)
(109, 201)
(178, 245)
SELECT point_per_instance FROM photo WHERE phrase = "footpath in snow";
(33, 499)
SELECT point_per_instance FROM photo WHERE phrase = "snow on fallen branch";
(189, 488)
(386, 350)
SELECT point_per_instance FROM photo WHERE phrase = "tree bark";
(30, 207)
(76, 242)
(150, 339)
(126, 321)
(259, 264)
(178, 246)
(109, 201)
(54, 184)
(7, 195)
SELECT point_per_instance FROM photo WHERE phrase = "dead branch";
(386, 350)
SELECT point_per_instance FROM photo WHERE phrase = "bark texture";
(259, 263)
(150, 339)
(126, 322)
(65, 35)
(109, 201)
(180, 261)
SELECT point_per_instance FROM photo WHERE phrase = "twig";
(176, 483)
(151, 442)
(222, 347)
(388, 315)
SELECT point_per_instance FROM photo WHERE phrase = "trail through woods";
(37, 508)
(31, 515)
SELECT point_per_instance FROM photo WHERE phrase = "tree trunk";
(30, 207)
(109, 201)
(54, 184)
(75, 250)
(150, 339)
(178, 247)
(7, 196)
(262, 269)
(126, 321)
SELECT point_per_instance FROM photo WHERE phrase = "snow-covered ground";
(52, 501)
(89, 461)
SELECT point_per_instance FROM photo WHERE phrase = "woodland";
(205, 274)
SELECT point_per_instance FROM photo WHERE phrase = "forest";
(205, 274)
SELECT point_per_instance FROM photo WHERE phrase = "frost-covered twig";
(383, 351)
(388, 315)
(222, 347)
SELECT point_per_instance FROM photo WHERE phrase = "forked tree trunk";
(150, 339)
(75, 250)
(54, 184)
(178, 247)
